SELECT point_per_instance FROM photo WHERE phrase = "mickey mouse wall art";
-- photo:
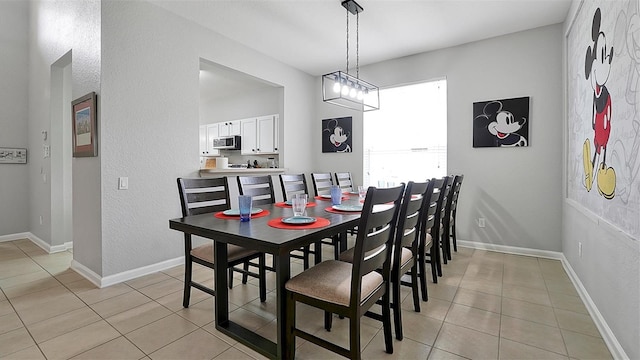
(597, 67)
(501, 123)
(336, 135)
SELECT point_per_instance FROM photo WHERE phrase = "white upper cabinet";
(207, 134)
(229, 128)
(260, 135)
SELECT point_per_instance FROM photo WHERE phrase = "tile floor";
(488, 305)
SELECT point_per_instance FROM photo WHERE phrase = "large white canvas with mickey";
(604, 111)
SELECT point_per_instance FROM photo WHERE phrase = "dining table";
(263, 233)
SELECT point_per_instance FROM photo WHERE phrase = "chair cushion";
(234, 252)
(331, 281)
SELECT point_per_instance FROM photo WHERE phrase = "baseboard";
(605, 331)
(102, 282)
(12, 237)
(36, 240)
(617, 352)
(511, 249)
(141, 271)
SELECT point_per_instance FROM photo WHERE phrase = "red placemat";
(332, 210)
(284, 205)
(329, 199)
(220, 215)
(277, 223)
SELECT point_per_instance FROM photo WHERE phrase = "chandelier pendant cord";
(358, 45)
(347, 70)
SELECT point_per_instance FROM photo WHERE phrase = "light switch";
(46, 150)
(123, 183)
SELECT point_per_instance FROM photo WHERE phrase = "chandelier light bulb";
(353, 93)
(360, 95)
(345, 90)
(336, 87)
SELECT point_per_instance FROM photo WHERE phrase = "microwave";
(227, 142)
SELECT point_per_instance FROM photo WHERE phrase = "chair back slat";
(343, 179)
(204, 195)
(293, 184)
(322, 183)
(375, 235)
(260, 188)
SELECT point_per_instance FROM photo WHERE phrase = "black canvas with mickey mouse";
(501, 123)
(336, 135)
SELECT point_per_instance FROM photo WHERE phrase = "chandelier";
(343, 89)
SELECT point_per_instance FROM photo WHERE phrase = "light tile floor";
(488, 305)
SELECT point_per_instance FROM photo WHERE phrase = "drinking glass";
(336, 195)
(362, 192)
(298, 204)
(245, 202)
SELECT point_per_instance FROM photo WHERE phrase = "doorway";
(407, 138)
(61, 154)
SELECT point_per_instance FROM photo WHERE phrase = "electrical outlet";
(481, 222)
(579, 249)
(123, 183)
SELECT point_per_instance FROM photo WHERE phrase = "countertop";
(241, 171)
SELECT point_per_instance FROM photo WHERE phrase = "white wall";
(14, 196)
(609, 268)
(517, 191)
(55, 28)
(150, 122)
(263, 101)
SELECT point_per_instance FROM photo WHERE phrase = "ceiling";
(310, 35)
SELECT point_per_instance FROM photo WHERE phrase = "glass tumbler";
(336, 195)
(244, 202)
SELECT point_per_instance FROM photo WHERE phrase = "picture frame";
(13, 155)
(84, 125)
(337, 135)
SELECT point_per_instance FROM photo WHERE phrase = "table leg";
(222, 291)
(282, 266)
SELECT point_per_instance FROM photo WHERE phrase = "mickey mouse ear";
(595, 27)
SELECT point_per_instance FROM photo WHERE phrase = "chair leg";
(354, 337)
(262, 277)
(433, 259)
(386, 323)
(422, 268)
(336, 246)
(231, 278)
(436, 254)
(245, 275)
(397, 315)
(306, 253)
(414, 288)
(453, 234)
(328, 320)
(317, 252)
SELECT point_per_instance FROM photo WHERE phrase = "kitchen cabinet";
(229, 128)
(260, 135)
(207, 134)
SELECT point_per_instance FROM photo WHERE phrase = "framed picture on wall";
(84, 119)
(501, 123)
(336, 135)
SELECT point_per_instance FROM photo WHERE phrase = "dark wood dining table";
(258, 235)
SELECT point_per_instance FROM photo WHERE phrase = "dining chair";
(322, 183)
(441, 187)
(450, 217)
(260, 188)
(351, 289)
(293, 184)
(208, 195)
(343, 179)
(406, 246)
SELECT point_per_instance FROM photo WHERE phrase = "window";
(407, 138)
